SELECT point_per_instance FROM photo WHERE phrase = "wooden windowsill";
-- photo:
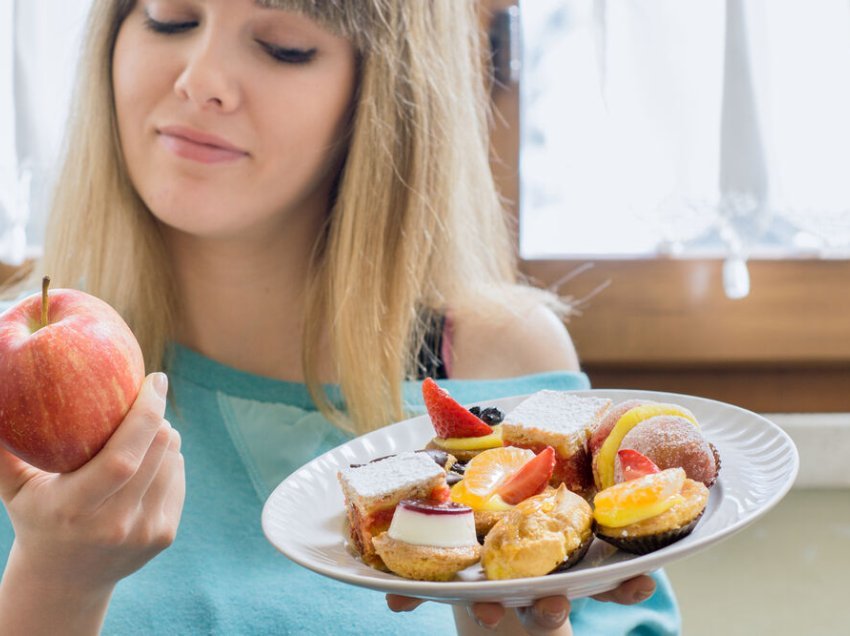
(665, 324)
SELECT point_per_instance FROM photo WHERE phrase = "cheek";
(139, 80)
(310, 134)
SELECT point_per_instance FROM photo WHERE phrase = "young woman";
(291, 205)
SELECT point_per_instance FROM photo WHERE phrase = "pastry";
(544, 533)
(499, 478)
(461, 432)
(429, 541)
(563, 421)
(666, 433)
(651, 510)
(671, 441)
(372, 492)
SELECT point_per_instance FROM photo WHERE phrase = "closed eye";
(169, 27)
(288, 55)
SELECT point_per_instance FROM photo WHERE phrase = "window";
(647, 177)
(695, 129)
(39, 43)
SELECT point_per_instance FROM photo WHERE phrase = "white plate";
(305, 515)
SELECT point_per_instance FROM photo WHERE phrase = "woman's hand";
(79, 533)
(547, 616)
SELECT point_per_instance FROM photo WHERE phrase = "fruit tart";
(429, 541)
(668, 434)
(548, 532)
(499, 478)
(461, 432)
(651, 509)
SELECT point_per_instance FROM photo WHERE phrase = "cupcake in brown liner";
(539, 535)
(429, 541)
(649, 543)
(650, 512)
(716, 454)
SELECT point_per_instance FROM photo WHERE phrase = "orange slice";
(638, 499)
(486, 472)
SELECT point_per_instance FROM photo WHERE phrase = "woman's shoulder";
(510, 341)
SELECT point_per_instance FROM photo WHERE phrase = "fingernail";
(642, 595)
(160, 384)
(478, 621)
(550, 619)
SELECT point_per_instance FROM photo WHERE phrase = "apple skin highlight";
(66, 386)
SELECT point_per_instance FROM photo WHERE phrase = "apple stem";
(45, 283)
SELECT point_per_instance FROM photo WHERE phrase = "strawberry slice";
(635, 464)
(529, 480)
(449, 418)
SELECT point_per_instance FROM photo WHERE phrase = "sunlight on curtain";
(39, 48)
(12, 221)
(685, 128)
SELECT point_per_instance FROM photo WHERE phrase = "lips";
(196, 145)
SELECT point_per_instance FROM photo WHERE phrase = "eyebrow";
(269, 4)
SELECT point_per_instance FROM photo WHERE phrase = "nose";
(207, 79)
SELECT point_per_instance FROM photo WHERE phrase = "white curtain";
(686, 127)
(39, 49)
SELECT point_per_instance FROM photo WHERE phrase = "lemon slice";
(639, 499)
(493, 440)
(627, 421)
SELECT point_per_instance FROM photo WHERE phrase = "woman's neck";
(242, 302)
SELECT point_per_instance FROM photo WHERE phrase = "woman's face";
(232, 116)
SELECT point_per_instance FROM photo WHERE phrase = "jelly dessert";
(429, 541)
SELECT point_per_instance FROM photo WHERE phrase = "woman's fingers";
(546, 615)
(168, 489)
(487, 614)
(402, 603)
(120, 459)
(629, 592)
(135, 489)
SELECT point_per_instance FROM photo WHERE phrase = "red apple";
(70, 368)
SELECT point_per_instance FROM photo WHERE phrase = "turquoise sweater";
(242, 434)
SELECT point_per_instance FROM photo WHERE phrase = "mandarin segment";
(632, 501)
(486, 472)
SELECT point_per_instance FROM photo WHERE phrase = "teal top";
(242, 434)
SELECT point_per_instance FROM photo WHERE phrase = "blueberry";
(458, 467)
(476, 411)
(492, 416)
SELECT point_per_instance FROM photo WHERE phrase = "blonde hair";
(416, 223)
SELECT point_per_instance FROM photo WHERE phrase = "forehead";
(349, 18)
